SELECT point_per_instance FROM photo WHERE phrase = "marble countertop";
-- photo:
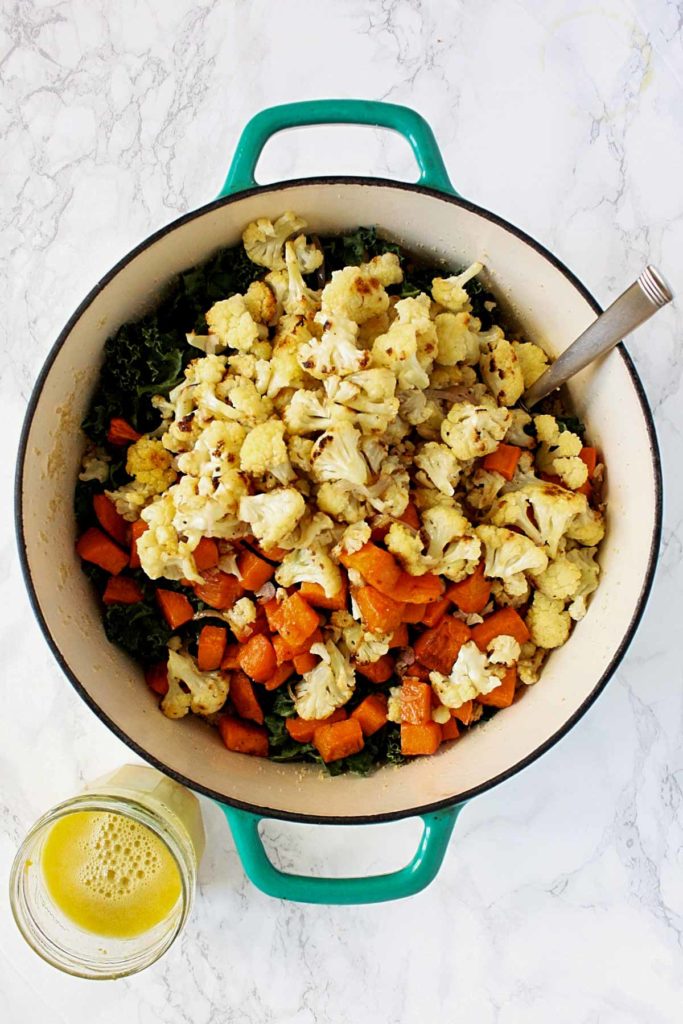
(561, 897)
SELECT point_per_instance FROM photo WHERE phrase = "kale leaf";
(138, 629)
(572, 423)
(148, 357)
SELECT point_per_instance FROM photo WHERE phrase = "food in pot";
(314, 509)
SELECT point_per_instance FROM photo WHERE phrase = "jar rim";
(174, 837)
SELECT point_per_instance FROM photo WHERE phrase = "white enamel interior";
(552, 311)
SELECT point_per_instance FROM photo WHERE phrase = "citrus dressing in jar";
(104, 882)
(109, 874)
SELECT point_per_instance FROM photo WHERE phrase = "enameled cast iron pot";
(553, 308)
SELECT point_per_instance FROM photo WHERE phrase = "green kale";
(148, 357)
(480, 297)
(140, 360)
(385, 745)
(393, 745)
(281, 745)
(283, 705)
(83, 495)
(571, 423)
(138, 629)
(353, 248)
(98, 577)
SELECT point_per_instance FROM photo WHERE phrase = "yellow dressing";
(109, 874)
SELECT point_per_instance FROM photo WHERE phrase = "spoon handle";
(633, 307)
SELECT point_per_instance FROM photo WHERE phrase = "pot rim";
(359, 819)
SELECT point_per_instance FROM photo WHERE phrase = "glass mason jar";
(147, 798)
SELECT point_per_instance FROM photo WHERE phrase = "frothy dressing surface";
(109, 874)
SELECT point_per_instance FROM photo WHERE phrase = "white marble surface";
(561, 898)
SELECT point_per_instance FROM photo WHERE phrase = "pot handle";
(408, 123)
(407, 881)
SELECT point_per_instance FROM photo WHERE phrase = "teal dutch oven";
(550, 305)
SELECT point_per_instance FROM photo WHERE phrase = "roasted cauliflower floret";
(414, 406)
(439, 465)
(532, 360)
(389, 493)
(151, 467)
(471, 675)
(386, 268)
(474, 430)
(215, 451)
(507, 553)
(310, 411)
(406, 544)
(203, 693)
(263, 241)
(241, 615)
(231, 322)
(354, 538)
(450, 292)
(264, 451)
(416, 311)
(483, 488)
(311, 529)
(273, 515)
(397, 350)
(554, 511)
(235, 398)
(365, 645)
(587, 527)
(530, 663)
(517, 432)
(548, 622)
(342, 501)
(308, 255)
(584, 560)
(368, 396)
(503, 650)
(297, 298)
(336, 455)
(285, 370)
(359, 293)
(261, 303)
(410, 345)
(336, 352)
(558, 452)
(560, 580)
(500, 367)
(512, 592)
(309, 565)
(326, 687)
(161, 549)
(453, 548)
(458, 339)
(94, 466)
(300, 449)
(208, 508)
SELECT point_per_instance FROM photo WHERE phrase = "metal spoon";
(633, 307)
